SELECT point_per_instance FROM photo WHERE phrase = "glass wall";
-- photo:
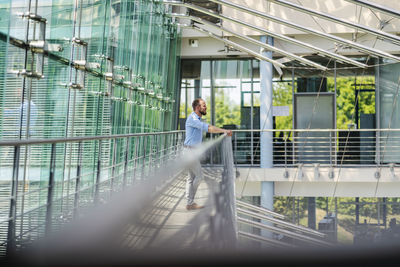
(389, 86)
(231, 89)
(345, 97)
(92, 67)
(72, 68)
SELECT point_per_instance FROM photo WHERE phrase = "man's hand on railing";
(228, 132)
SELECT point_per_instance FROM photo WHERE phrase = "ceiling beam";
(388, 11)
(360, 47)
(384, 35)
(254, 41)
(321, 51)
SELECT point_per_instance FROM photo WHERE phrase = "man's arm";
(215, 129)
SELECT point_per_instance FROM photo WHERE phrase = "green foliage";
(283, 97)
(284, 206)
(345, 99)
(225, 111)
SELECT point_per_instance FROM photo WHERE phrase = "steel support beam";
(362, 48)
(254, 41)
(379, 33)
(388, 11)
(240, 47)
(338, 57)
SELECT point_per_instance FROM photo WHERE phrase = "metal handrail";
(139, 197)
(317, 130)
(78, 139)
(265, 239)
(282, 223)
(259, 209)
(285, 232)
(332, 147)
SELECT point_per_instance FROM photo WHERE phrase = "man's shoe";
(194, 206)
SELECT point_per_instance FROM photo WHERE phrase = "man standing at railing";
(194, 135)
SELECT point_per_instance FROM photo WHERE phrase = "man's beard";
(203, 113)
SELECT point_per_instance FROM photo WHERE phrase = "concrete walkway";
(167, 224)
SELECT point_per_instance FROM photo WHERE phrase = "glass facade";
(86, 68)
(74, 68)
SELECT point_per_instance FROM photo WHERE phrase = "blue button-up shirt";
(194, 130)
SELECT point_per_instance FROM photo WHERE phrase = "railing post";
(286, 173)
(113, 162)
(378, 147)
(293, 148)
(158, 158)
(144, 158)
(330, 148)
(11, 242)
(285, 144)
(175, 144)
(252, 147)
(136, 159)
(127, 151)
(336, 147)
(163, 137)
(150, 153)
(97, 185)
(78, 179)
(49, 211)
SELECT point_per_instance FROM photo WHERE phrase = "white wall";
(346, 182)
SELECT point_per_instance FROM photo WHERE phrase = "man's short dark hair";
(196, 102)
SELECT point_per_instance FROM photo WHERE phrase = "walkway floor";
(167, 224)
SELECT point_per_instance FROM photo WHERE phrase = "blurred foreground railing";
(329, 147)
(57, 214)
(50, 182)
(286, 234)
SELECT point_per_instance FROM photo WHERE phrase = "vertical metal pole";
(252, 116)
(127, 152)
(356, 108)
(186, 99)
(285, 151)
(311, 212)
(150, 153)
(78, 179)
(266, 126)
(384, 212)
(212, 97)
(378, 148)
(378, 208)
(298, 210)
(294, 210)
(293, 148)
(144, 157)
(357, 210)
(330, 148)
(163, 137)
(135, 159)
(158, 158)
(294, 111)
(336, 218)
(334, 99)
(377, 111)
(114, 160)
(13, 203)
(97, 185)
(49, 211)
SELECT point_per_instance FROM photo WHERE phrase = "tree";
(282, 96)
(226, 112)
(345, 99)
